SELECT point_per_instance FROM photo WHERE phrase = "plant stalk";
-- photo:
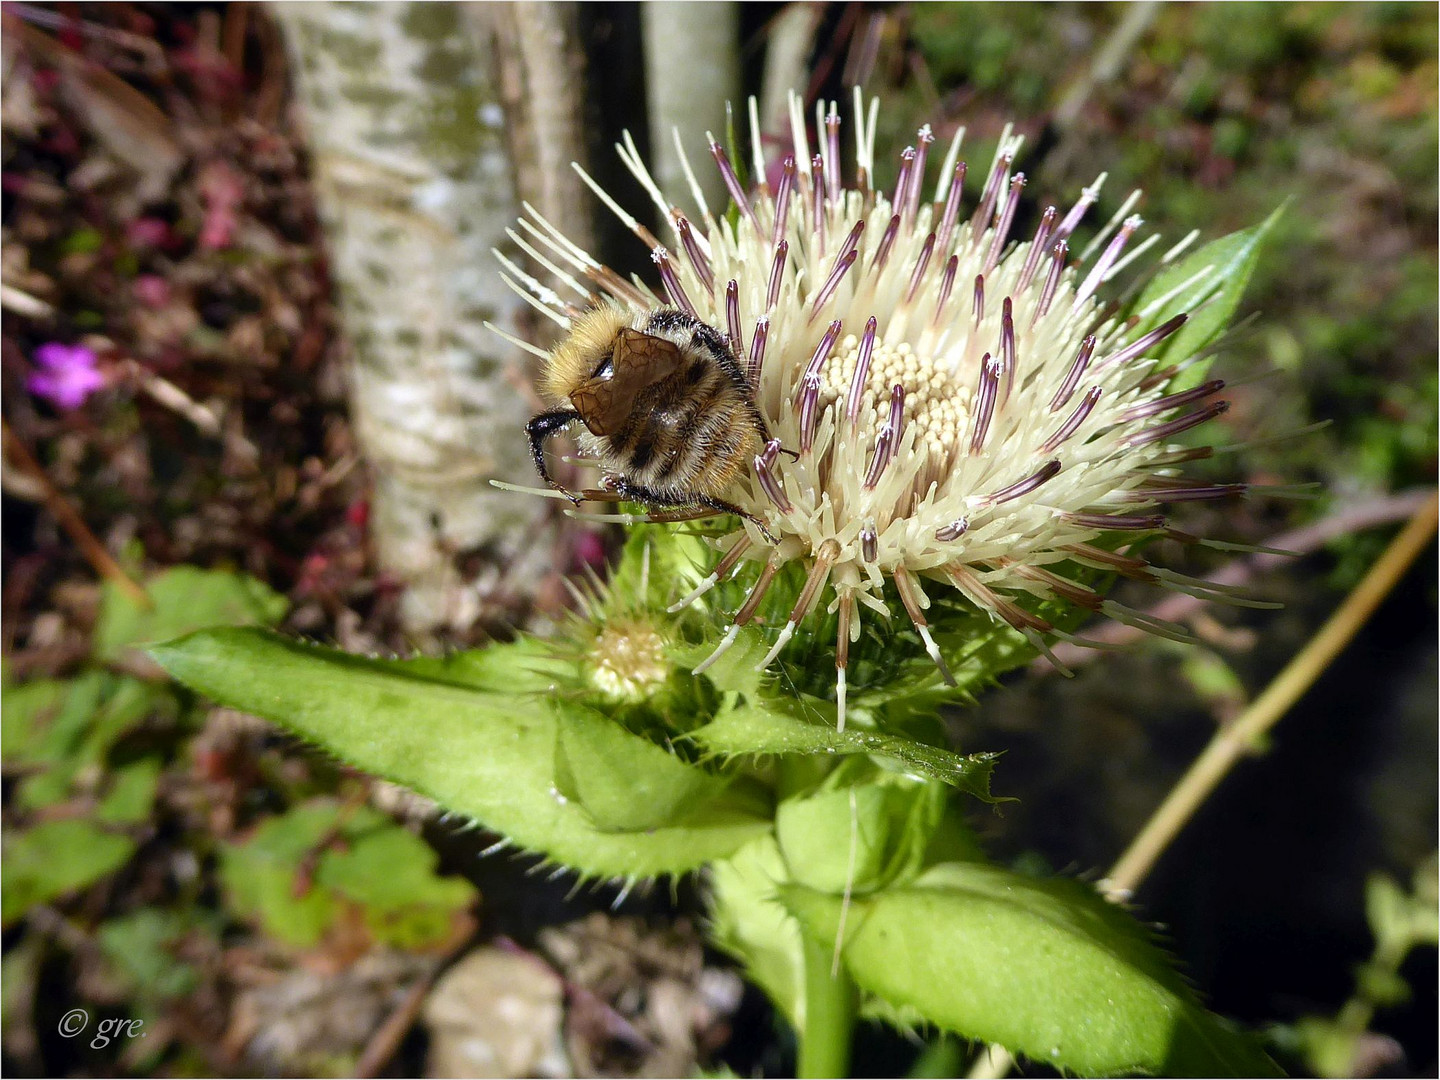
(1235, 740)
(830, 1005)
(1238, 738)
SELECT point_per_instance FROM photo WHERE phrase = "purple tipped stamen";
(817, 206)
(983, 212)
(732, 316)
(833, 282)
(862, 373)
(671, 280)
(732, 185)
(1173, 401)
(1036, 479)
(923, 139)
(888, 438)
(882, 252)
(1102, 265)
(1185, 493)
(953, 531)
(768, 483)
(1008, 358)
(1140, 345)
(1164, 431)
(777, 274)
(902, 182)
(921, 265)
(869, 542)
(1118, 522)
(977, 303)
(757, 349)
(810, 387)
(852, 241)
(947, 282)
(1070, 426)
(1072, 378)
(1072, 220)
(692, 251)
(984, 402)
(1007, 217)
(832, 137)
(1032, 257)
(952, 207)
(1052, 279)
(782, 199)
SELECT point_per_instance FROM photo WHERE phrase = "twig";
(70, 520)
(22, 303)
(1237, 739)
(1351, 519)
(388, 1036)
(1108, 62)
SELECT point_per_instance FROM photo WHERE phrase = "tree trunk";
(692, 68)
(407, 143)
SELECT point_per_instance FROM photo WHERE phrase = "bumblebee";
(667, 409)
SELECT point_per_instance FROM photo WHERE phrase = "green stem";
(830, 1004)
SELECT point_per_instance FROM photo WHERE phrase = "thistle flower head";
(952, 406)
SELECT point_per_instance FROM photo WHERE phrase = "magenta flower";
(68, 375)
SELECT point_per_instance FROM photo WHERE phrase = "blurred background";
(246, 267)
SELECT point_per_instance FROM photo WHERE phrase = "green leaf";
(525, 666)
(28, 708)
(481, 754)
(756, 729)
(625, 782)
(1211, 301)
(184, 598)
(140, 947)
(748, 921)
(862, 837)
(391, 874)
(260, 875)
(1045, 968)
(358, 857)
(132, 793)
(737, 670)
(56, 858)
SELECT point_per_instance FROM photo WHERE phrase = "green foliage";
(1210, 301)
(1045, 968)
(626, 783)
(861, 837)
(184, 598)
(1400, 920)
(808, 728)
(56, 858)
(748, 921)
(132, 793)
(482, 754)
(141, 949)
(300, 873)
(794, 818)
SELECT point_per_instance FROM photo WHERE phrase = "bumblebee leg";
(636, 493)
(541, 428)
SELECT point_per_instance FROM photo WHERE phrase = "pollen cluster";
(951, 406)
(935, 402)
